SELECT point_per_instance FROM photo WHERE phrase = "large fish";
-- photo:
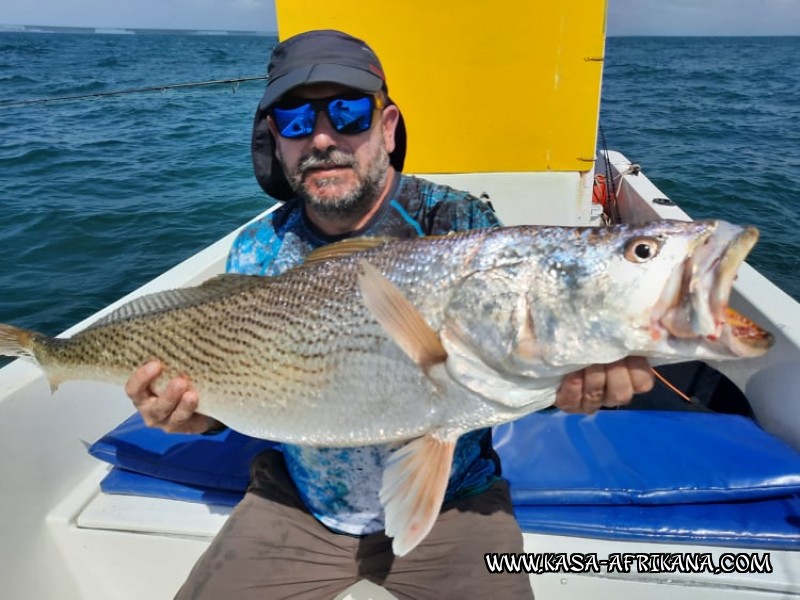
(419, 341)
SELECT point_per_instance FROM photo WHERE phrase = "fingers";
(582, 391)
(173, 409)
(618, 385)
(641, 374)
(168, 409)
(570, 393)
(608, 385)
(138, 386)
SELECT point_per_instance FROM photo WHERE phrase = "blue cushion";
(613, 457)
(764, 524)
(636, 475)
(120, 481)
(220, 461)
(643, 457)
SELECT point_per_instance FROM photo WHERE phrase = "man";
(329, 140)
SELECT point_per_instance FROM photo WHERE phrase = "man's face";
(338, 174)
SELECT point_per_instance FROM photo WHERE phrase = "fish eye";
(641, 249)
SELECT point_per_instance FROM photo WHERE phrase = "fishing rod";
(611, 192)
(153, 88)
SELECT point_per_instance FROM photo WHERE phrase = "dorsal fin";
(228, 283)
(344, 248)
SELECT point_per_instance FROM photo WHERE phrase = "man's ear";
(274, 131)
(389, 119)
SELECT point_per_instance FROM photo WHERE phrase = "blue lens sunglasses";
(297, 118)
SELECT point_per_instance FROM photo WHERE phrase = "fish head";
(662, 290)
(692, 313)
(579, 296)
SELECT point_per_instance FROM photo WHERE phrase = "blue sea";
(101, 194)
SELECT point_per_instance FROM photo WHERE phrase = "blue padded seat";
(122, 481)
(220, 461)
(643, 457)
(638, 475)
(771, 524)
(684, 477)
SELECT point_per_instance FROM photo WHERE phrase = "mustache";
(328, 158)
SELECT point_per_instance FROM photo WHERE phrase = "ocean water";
(102, 194)
(715, 124)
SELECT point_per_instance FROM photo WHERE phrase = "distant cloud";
(625, 17)
(704, 17)
(247, 15)
(265, 5)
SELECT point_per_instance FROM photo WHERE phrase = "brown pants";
(272, 548)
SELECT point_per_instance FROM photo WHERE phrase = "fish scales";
(293, 334)
(422, 340)
(304, 343)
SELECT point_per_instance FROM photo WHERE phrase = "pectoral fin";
(398, 317)
(414, 484)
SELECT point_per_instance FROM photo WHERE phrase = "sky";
(625, 17)
(703, 17)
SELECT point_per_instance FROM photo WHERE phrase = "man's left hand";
(608, 385)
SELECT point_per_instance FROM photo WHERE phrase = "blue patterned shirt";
(340, 485)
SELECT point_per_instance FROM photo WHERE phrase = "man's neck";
(336, 227)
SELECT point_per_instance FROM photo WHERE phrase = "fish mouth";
(695, 300)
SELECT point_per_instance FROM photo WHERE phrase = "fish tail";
(15, 341)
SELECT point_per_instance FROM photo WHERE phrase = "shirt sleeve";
(255, 249)
(243, 252)
(233, 264)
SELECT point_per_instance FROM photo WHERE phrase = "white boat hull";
(62, 538)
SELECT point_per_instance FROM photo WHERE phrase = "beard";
(351, 204)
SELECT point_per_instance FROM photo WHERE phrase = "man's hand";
(173, 409)
(608, 385)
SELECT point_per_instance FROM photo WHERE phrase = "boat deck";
(99, 535)
(88, 541)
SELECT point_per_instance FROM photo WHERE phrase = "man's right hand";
(174, 409)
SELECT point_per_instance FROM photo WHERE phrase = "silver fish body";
(422, 339)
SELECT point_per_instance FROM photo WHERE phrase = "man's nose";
(324, 135)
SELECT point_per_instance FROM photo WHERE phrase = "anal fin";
(414, 485)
